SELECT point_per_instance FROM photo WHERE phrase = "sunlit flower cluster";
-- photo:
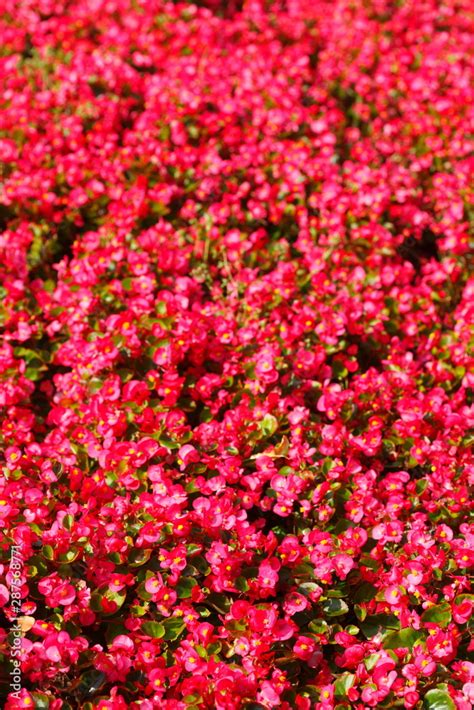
(236, 364)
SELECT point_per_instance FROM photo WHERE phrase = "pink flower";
(236, 369)
(423, 662)
(187, 454)
(342, 564)
(4, 595)
(153, 585)
(268, 573)
(294, 603)
(57, 591)
(462, 612)
(393, 595)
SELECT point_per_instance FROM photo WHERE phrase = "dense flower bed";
(235, 380)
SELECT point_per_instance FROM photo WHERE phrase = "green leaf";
(406, 638)
(438, 699)
(153, 629)
(37, 565)
(318, 626)
(48, 552)
(308, 588)
(336, 593)
(31, 356)
(201, 565)
(167, 442)
(282, 448)
(91, 682)
(339, 370)
(439, 614)
(364, 593)
(352, 630)
(185, 586)
(213, 648)
(69, 556)
(327, 466)
(343, 684)
(303, 570)
(173, 628)
(105, 593)
(250, 572)
(138, 557)
(375, 623)
(142, 593)
(218, 601)
(192, 548)
(367, 561)
(371, 661)
(41, 701)
(335, 607)
(241, 584)
(421, 485)
(268, 425)
(33, 373)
